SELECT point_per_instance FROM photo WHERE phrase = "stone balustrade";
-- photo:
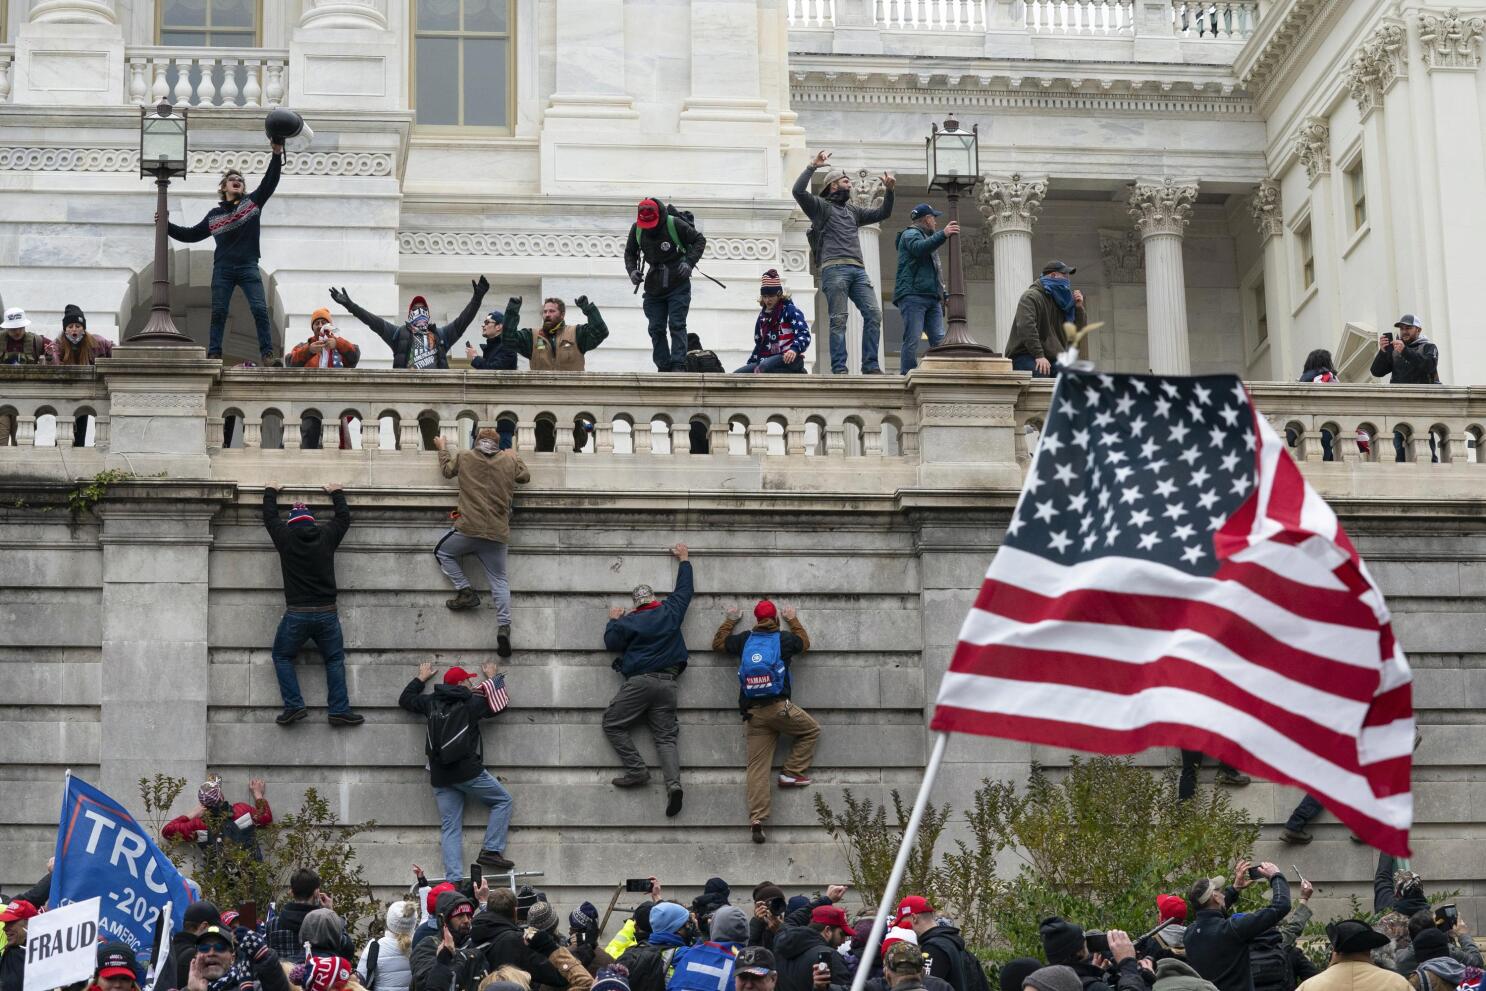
(1225, 20)
(7, 63)
(212, 77)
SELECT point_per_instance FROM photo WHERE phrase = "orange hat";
(323, 313)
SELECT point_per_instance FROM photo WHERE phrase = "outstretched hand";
(480, 285)
(426, 670)
(332, 487)
(615, 612)
(889, 180)
(581, 302)
(439, 443)
(339, 296)
(821, 158)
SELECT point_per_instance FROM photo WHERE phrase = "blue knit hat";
(615, 978)
(667, 917)
(585, 917)
(300, 515)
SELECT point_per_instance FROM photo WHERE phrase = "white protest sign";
(62, 946)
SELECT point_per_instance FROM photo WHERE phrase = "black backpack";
(971, 971)
(452, 735)
(702, 361)
(1270, 967)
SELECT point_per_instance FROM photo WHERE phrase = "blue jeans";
(843, 282)
(450, 799)
(325, 629)
(922, 314)
(774, 363)
(669, 311)
(226, 277)
(1398, 448)
(1027, 363)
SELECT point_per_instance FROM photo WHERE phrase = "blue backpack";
(762, 673)
(703, 967)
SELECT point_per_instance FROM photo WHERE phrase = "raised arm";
(591, 334)
(270, 179)
(450, 334)
(272, 522)
(808, 201)
(384, 329)
(340, 520)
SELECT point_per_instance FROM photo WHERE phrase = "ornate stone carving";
(1123, 256)
(155, 402)
(1284, 25)
(794, 261)
(979, 255)
(760, 249)
(336, 163)
(1378, 64)
(1451, 41)
(983, 412)
(867, 190)
(1011, 204)
(1264, 207)
(1313, 147)
(1162, 207)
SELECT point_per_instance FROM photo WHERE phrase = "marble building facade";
(1237, 182)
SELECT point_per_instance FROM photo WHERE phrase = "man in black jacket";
(1409, 358)
(504, 942)
(798, 949)
(671, 247)
(199, 915)
(1065, 944)
(493, 355)
(435, 960)
(1218, 946)
(456, 758)
(307, 560)
(418, 343)
(288, 923)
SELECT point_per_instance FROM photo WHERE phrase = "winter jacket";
(554, 349)
(1319, 375)
(341, 354)
(1350, 975)
(797, 949)
(28, 349)
(1127, 976)
(1465, 950)
(235, 225)
(487, 486)
(837, 222)
(488, 699)
(663, 254)
(495, 354)
(61, 351)
(1037, 329)
(13, 967)
(942, 945)
(394, 969)
(182, 951)
(918, 264)
(283, 933)
(503, 944)
(186, 828)
(791, 644)
(1417, 364)
(792, 333)
(411, 346)
(1166, 941)
(307, 552)
(1384, 897)
(1218, 946)
(1173, 974)
(649, 639)
(761, 935)
(928, 983)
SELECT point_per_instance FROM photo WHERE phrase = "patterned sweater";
(235, 225)
(791, 334)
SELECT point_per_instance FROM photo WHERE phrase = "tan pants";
(762, 731)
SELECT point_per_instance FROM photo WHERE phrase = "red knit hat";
(1173, 908)
(765, 610)
(771, 285)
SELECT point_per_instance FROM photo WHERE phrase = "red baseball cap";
(18, 910)
(463, 908)
(458, 675)
(912, 905)
(830, 915)
(430, 901)
(651, 207)
(116, 960)
(1173, 908)
(764, 610)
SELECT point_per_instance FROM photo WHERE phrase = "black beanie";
(1429, 944)
(1014, 973)
(73, 314)
(1062, 941)
(642, 921)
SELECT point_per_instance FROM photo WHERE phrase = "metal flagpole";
(890, 893)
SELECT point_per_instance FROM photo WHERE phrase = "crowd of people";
(468, 935)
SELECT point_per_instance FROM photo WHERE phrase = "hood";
(944, 931)
(449, 899)
(292, 915)
(1173, 934)
(487, 925)
(323, 930)
(450, 693)
(1175, 967)
(770, 625)
(1447, 969)
(792, 942)
(306, 535)
(729, 925)
(660, 208)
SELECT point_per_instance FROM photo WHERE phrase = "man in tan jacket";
(488, 477)
(1351, 968)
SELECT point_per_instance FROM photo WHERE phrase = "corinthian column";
(1010, 207)
(1161, 210)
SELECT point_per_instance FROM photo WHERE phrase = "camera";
(1447, 917)
(1388, 338)
(1255, 874)
(1097, 942)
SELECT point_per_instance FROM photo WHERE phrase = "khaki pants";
(762, 731)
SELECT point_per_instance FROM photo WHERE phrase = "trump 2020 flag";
(1170, 580)
(102, 852)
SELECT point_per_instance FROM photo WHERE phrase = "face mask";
(75, 338)
(486, 446)
(839, 195)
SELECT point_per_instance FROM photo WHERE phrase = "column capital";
(74, 12)
(1162, 206)
(1313, 147)
(1451, 41)
(1265, 208)
(344, 14)
(1011, 203)
(1379, 63)
(867, 190)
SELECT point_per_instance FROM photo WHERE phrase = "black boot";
(465, 598)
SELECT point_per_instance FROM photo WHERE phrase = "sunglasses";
(214, 946)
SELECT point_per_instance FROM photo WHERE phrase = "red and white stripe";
(1282, 664)
(495, 695)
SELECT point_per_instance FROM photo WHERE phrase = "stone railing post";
(157, 410)
(967, 423)
(70, 52)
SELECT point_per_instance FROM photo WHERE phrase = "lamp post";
(162, 154)
(952, 160)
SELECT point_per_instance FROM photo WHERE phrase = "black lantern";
(162, 154)
(952, 163)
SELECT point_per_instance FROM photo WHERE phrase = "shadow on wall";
(191, 305)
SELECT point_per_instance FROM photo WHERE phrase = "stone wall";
(137, 633)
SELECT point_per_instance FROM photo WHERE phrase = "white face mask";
(486, 446)
(75, 337)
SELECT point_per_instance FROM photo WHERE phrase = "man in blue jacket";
(918, 289)
(1218, 944)
(652, 654)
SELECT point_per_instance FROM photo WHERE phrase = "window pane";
(437, 71)
(485, 82)
(485, 15)
(190, 39)
(232, 13)
(183, 13)
(231, 39)
(438, 15)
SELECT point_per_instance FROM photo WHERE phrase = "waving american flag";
(1168, 579)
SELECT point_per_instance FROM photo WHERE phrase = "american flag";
(1168, 579)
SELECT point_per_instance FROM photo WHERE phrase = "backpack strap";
(371, 962)
(671, 228)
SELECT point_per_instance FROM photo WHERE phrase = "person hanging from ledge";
(557, 346)
(234, 224)
(488, 476)
(307, 561)
(668, 242)
(780, 334)
(417, 343)
(324, 349)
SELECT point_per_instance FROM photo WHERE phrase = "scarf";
(1062, 294)
(237, 975)
(662, 939)
(839, 195)
(772, 319)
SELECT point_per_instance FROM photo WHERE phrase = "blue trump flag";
(103, 852)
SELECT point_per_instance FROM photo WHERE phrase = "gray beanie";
(322, 929)
(542, 916)
(833, 175)
(1058, 977)
(729, 925)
